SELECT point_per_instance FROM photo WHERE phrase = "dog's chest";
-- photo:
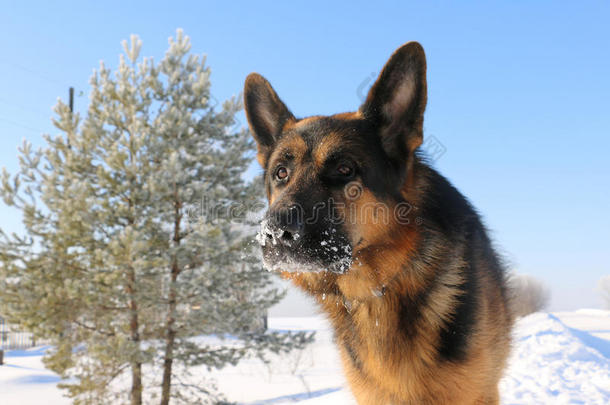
(367, 333)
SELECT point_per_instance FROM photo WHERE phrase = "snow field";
(560, 358)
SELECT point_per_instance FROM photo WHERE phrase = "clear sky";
(519, 96)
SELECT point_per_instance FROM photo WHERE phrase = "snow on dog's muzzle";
(294, 249)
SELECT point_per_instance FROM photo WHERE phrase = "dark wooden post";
(71, 105)
(71, 100)
(1, 340)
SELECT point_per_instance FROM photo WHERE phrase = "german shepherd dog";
(395, 256)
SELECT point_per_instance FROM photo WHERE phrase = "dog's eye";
(345, 170)
(281, 173)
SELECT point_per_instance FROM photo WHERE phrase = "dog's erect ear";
(397, 101)
(266, 113)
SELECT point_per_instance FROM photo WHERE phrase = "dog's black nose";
(285, 225)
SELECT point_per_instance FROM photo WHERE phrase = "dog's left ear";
(397, 101)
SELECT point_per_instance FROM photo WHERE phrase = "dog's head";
(334, 183)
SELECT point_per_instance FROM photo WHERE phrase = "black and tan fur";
(420, 309)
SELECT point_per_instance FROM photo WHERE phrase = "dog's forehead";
(316, 138)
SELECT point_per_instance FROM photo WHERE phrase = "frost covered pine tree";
(133, 248)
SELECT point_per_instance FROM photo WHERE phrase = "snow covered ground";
(24, 380)
(559, 358)
(553, 363)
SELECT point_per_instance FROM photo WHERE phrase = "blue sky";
(518, 96)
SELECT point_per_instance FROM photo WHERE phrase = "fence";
(11, 338)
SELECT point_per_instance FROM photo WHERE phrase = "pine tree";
(137, 239)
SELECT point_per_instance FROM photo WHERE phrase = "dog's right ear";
(266, 113)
